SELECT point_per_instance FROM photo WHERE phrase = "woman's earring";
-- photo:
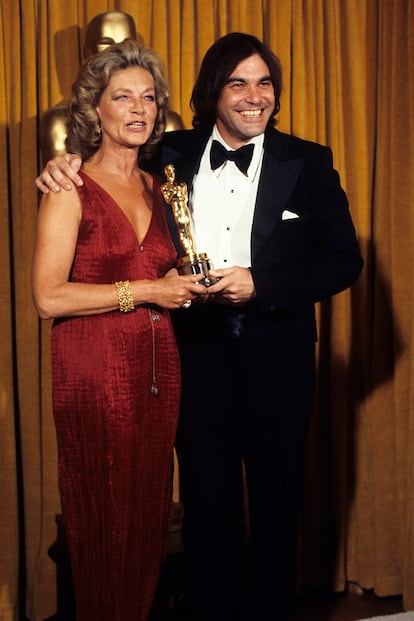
(98, 131)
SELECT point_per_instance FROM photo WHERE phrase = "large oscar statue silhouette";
(103, 30)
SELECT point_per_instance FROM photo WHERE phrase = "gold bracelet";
(125, 297)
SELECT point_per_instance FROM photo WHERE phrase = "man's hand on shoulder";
(60, 173)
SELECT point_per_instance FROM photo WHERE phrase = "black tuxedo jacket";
(296, 261)
(303, 248)
(303, 242)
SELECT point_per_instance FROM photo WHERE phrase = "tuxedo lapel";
(277, 181)
(185, 153)
(183, 149)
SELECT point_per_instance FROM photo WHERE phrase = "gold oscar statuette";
(176, 195)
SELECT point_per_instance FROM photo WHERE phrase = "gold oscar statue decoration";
(176, 195)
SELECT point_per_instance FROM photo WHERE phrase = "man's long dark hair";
(218, 64)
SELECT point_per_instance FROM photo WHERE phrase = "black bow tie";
(242, 157)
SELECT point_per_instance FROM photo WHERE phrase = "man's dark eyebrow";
(264, 78)
(234, 79)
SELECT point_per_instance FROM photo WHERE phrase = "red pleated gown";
(115, 436)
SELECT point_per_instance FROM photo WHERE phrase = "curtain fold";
(348, 83)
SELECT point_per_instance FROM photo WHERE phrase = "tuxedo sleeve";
(314, 254)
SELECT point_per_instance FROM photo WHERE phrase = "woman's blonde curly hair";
(93, 78)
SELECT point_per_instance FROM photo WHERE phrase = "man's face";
(246, 102)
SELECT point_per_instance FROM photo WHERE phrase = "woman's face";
(127, 109)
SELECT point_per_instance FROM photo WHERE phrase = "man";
(281, 239)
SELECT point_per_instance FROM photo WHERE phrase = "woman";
(104, 269)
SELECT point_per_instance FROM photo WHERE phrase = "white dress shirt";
(222, 206)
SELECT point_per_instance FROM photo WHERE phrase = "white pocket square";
(289, 215)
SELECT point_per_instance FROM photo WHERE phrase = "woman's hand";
(172, 291)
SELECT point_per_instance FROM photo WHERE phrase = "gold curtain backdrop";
(348, 83)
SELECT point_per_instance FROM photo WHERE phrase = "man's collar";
(257, 141)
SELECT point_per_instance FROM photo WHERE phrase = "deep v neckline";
(122, 212)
